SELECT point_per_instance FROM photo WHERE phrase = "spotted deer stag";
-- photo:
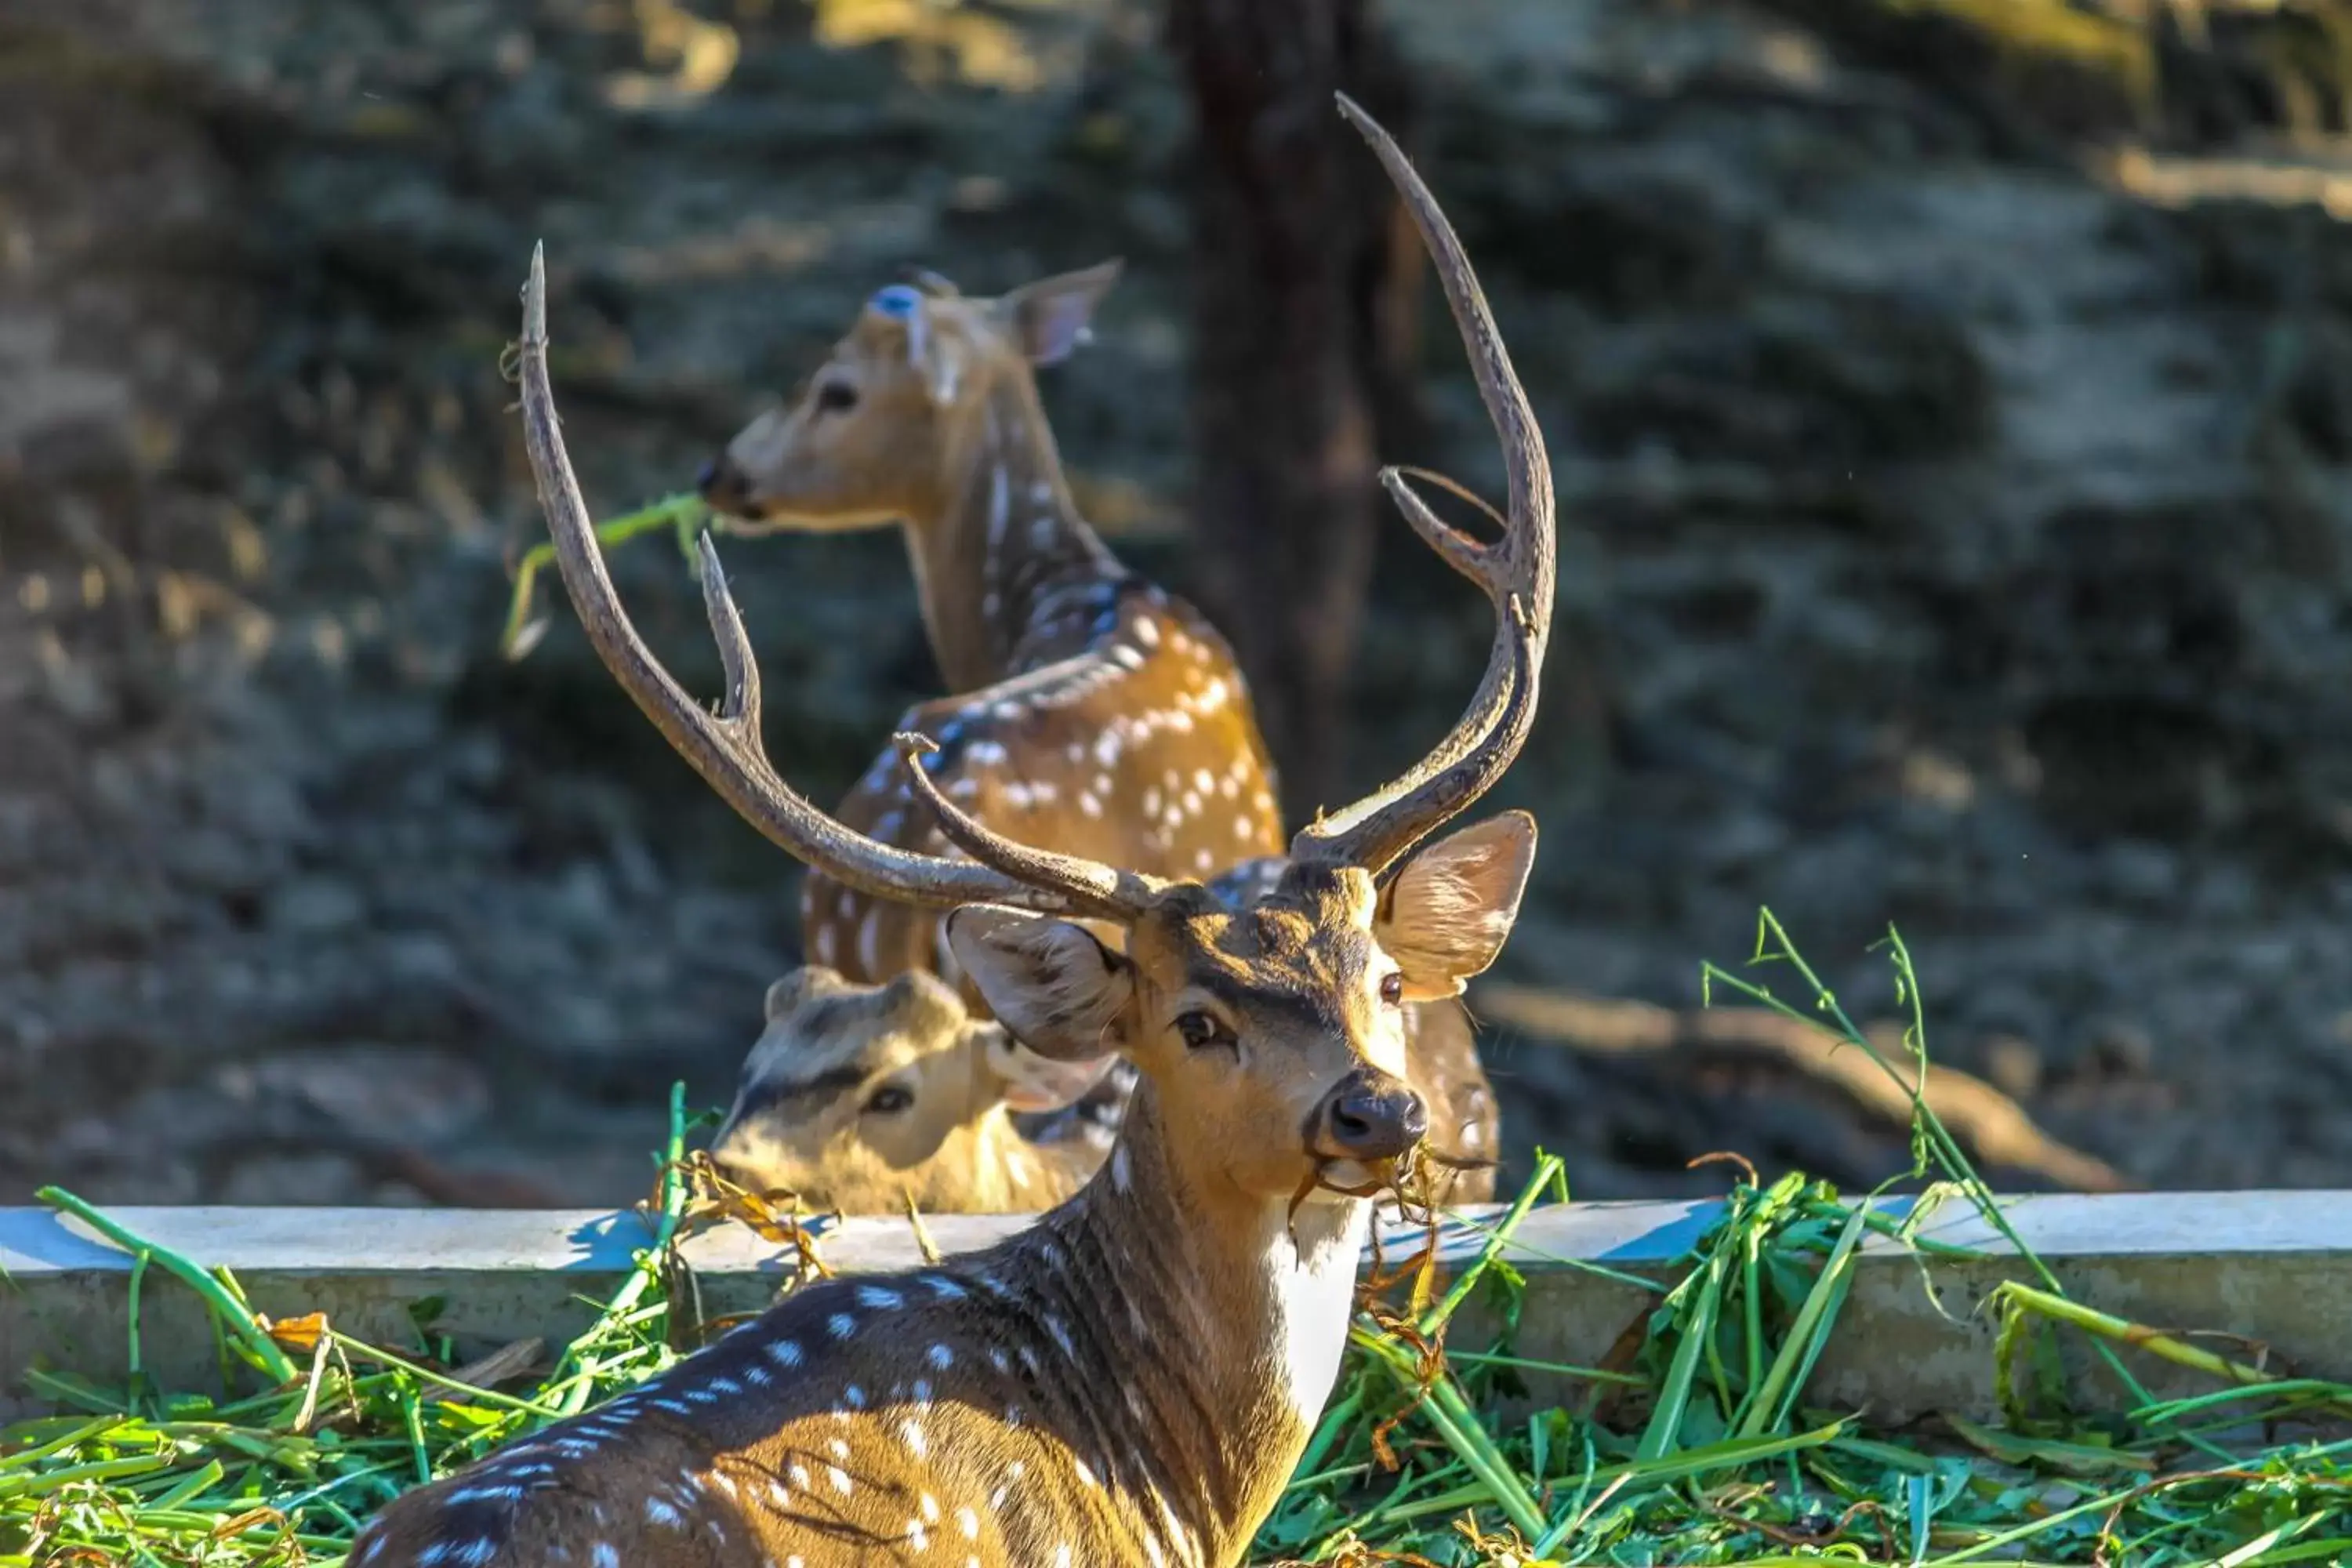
(1096, 715)
(1131, 1380)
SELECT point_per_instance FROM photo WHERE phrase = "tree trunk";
(1298, 311)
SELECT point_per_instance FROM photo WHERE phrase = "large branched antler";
(1516, 572)
(726, 747)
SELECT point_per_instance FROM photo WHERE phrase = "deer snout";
(1368, 1116)
(725, 486)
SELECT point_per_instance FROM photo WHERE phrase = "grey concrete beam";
(2274, 1267)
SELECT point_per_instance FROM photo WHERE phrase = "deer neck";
(1006, 551)
(1222, 1320)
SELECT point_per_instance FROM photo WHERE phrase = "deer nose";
(1370, 1116)
(722, 484)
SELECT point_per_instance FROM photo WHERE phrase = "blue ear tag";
(898, 301)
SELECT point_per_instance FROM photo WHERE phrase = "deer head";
(858, 1097)
(884, 428)
(1131, 1380)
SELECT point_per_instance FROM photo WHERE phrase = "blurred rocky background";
(1952, 405)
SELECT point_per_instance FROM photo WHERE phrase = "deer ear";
(1449, 907)
(1049, 318)
(801, 986)
(1050, 983)
(1030, 1084)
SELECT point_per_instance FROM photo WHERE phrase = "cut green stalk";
(685, 514)
(226, 1304)
(1771, 1407)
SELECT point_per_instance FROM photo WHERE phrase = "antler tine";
(1515, 570)
(725, 748)
(1089, 885)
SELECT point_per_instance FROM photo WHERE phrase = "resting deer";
(1131, 1380)
(1097, 714)
(859, 1098)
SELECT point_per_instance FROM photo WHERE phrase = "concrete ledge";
(2274, 1267)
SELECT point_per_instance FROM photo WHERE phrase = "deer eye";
(836, 397)
(1202, 1029)
(887, 1101)
(1392, 989)
(898, 301)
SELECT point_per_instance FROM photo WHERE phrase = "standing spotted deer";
(1092, 710)
(1095, 714)
(1130, 1381)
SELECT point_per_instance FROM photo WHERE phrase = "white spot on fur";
(969, 1522)
(841, 1325)
(1089, 805)
(1122, 1169)
(839, 1477)
(824, 950)
(941, 1357)
(869, 931)
(912, 1431)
